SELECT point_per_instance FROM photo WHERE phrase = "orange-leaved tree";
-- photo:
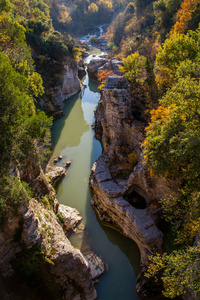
(184, 14)
(102, 75)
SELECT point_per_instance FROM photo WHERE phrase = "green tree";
(18, 118)
(176, 49)
(134, 68)
(178, 271)
(172, 149)
(172, 138)
(6, 5)
(142, 4)
(21, 129)
(164, 11)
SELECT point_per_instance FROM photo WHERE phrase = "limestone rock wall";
(116, 128)
(125, 197)
(111, 207)
(121, 135)
(69, 268)
(113, 117)
(66, 272)
(60, 81)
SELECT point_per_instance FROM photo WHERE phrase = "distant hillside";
(81, 16)
(144, 25)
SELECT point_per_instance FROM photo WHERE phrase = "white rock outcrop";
(56, 174)
(70, 217)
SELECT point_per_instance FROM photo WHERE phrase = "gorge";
(73, 139)
(99, 184)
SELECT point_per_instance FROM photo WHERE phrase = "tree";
(164, 11)
(193, 23)
(184, 15)
(20, 124)
(134, 68)
(172, 138)
(176, 49)
(178, 271)
(141, 4)
(172, 149)
(21, 129)
(6, 5)
(93, 8)
(102, 75)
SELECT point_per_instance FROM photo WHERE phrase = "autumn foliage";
(103, 74)
(184, 15)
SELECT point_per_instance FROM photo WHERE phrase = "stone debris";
(68, 163)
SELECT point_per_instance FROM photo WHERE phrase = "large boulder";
(97, 65)
(93, 66)
(34, 242)
(68, 267)
(66, 272)
(70, 217)
(56, 174)
(99, 42)
(111, 207)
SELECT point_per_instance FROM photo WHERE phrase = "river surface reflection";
(73, 138)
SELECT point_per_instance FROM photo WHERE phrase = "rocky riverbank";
(97, 65)
(125, 196)
(34, 244)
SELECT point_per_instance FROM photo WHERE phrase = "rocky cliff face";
(60, 81)
(125, 196)
(34, 244)
(97, 65)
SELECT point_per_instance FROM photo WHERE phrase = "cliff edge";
(125, 196)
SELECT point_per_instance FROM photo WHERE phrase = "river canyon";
(99, 185)
(73, 138)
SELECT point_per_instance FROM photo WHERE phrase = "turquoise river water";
(73, 138)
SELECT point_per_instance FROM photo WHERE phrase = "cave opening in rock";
(135, 199)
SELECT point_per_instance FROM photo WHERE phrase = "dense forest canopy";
(148, 23)
(25, 27)
(22, 127)
(171, 148)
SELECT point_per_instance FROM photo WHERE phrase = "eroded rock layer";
(61, 82)
(125, 196)
(34, 246)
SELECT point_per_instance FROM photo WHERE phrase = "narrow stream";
(73, 138)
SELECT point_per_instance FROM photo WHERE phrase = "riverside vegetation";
(159, 44)
(27, 32)
(25, 130)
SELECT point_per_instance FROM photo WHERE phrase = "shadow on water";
(76, 131)
(69, 103)
(92, 86)
(121, 253)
